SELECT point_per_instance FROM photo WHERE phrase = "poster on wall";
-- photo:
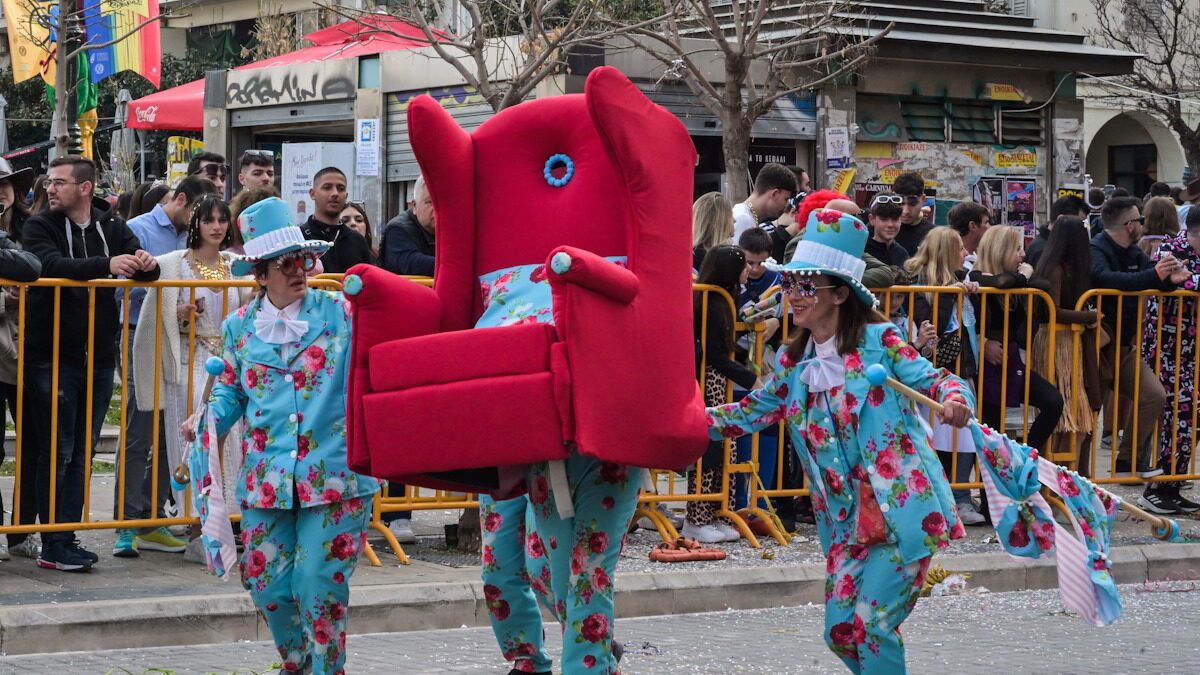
(301, 162)
(1019, 205)
(180, 151)
(837, 148)
(989, 191)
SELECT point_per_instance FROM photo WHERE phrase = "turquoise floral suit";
(304, 512)
(852, 436)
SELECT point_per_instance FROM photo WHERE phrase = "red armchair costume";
(431, 395)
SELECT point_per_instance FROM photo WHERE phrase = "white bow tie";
(279, 329)
(824, 372)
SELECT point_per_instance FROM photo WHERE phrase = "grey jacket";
(21, 266)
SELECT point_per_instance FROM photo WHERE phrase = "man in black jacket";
(77, 238)
(1118, 263)
(329, 199)
(408, 239)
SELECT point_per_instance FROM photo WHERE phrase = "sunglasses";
(803, 286)
(887, 199)
(269, 154)
(290, 262)
(213, 170)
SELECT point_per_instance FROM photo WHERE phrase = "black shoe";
(62, 556)
(1185, 505)
(618, 650)
(84, 552)
(1159, 500)
(1122, 466)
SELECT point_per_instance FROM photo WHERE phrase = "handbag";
(949, 346)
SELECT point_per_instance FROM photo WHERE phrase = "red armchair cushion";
(461, 355)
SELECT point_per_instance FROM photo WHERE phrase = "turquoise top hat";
(269, 232)
(833, 245)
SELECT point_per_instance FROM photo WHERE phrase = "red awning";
(182, 108)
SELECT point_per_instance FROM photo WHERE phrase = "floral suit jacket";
(295, 411)
(904, 472)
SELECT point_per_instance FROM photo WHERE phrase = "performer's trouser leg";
(514, 567)
(297, 566)
(866, 601)
(583, 553)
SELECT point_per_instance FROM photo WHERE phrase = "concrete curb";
(174, 620)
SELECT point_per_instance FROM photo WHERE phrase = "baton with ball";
(214, 366)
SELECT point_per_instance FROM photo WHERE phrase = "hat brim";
(1186, 196)
(243, 265)
(862, 292)
(22, 181)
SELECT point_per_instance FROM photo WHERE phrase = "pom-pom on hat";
(269, 232)
(833, 245)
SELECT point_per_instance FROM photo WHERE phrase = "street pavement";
(1017, 633)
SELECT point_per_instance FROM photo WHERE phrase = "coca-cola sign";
(146, 114)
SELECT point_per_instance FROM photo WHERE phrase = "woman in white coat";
(190, 329)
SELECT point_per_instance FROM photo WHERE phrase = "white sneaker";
(707, 534)
(30, 548)
(729, 532)
(402, 530)
(4, 549)
(969, 515)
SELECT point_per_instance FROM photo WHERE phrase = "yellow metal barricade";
(898, 303)
(1144, 380)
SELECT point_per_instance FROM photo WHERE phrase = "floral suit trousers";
(582, 552)
(515, 577)
(297, 566)
(869, 592)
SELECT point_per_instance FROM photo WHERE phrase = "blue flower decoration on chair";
(555, 162)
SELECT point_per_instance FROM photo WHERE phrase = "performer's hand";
(955, 414)
(188, 429)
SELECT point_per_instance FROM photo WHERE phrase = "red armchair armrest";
(570, 265)
(385, 307)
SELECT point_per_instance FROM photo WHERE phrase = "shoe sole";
(1145, 504)
(62, 567)
(1150, 474)
(161, 548)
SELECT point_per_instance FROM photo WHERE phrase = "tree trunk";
(735, 144)
(62, 122)
(735, 132)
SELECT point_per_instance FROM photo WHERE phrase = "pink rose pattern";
(294, 412)
(514, 561)
(320, 546)
(869, 592)
(521, 294)
(858, 433)
(585, 548)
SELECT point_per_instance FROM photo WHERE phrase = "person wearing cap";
(883, 502)
(15, 265)
(304, 512)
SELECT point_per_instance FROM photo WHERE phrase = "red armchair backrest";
(633, 162)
